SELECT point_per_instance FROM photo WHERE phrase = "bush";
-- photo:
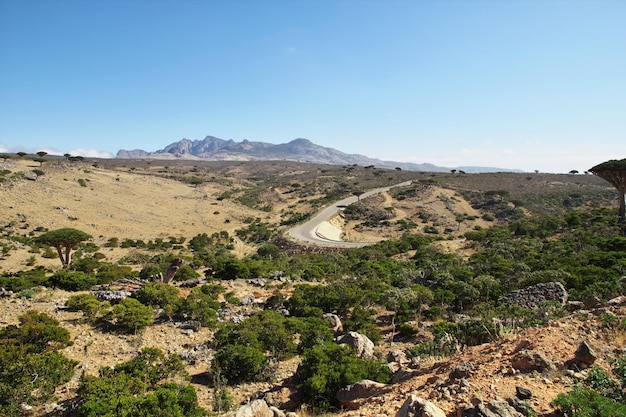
(23, 280)
(89, 304)
(584, 402)
(131, 315)
(72, 280)
(240, 363)
(202, 305)
(158, 294)
(329, 367)
(136, 388)
(30, 366)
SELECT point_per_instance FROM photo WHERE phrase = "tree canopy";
(63, 239)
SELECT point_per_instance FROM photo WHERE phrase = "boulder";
(617, 301)
(463, 370)
(495, 408)
(397, 356)
(361, 344)
(585, 354)
(256, 408)
(247, 299)
(334, 322)
(415, 406)
(525, 361)
(354, 395)
(284, 397)
(533, 296)
(523, 393)
(257, 282)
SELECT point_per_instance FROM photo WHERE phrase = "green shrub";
(158, 294)
(240, 363)
(186, 273)
(131, 315)
(329, 367)
(89, 304)
(23, 280)
(72, 280)
(136, 388)
(602, 396)
(584, 402)
(30, 366)
(201, 304)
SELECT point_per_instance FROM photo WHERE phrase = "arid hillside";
(452, 243)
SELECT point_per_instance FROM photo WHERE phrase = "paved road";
(309, 232)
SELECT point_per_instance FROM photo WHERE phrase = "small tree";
(614, 171)
(42, 153)
(21, 154)
(63, 239)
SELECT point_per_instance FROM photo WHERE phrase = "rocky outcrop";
(334, 322)
(532, 297)
(256, 408)
(356, 394)
(415, 406)
(112, 297)
(361, 344)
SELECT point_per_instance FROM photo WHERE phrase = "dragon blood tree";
(614, 171)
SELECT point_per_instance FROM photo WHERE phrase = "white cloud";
(292, 49)
(90, 153)
(3, 148)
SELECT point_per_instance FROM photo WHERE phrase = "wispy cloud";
(292, 49)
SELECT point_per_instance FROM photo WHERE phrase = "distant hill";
(303, 150)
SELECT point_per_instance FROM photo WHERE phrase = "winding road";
(318, 231)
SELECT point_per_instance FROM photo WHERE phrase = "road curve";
(309, 232)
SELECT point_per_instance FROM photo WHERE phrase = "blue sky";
(536, 84)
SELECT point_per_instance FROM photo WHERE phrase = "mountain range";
(216, 149)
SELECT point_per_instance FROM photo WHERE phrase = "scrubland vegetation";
(446, 268)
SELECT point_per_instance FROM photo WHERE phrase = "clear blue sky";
(504, 83)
